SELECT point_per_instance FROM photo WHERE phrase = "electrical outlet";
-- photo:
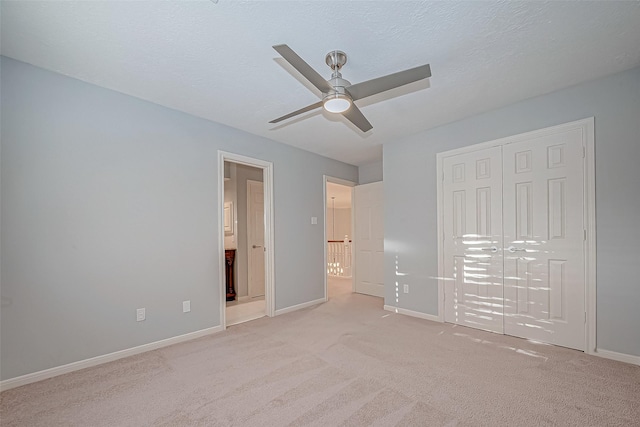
(140, 314)
(186, 306)
(406, 289)
(314, 220)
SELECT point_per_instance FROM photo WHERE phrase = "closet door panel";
(472, 219)
(543, 239)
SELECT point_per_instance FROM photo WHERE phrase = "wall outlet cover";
(140, 314)
(186, 306)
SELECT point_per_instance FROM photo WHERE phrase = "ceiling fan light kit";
(338, 94)
(336, 102)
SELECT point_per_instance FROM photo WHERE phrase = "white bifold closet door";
(514, 242)
(473, 239)
(543, 239)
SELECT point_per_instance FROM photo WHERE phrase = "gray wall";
(410, 197)
(109, 204)
(370, 173)
(230, 195)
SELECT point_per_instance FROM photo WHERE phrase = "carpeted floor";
(346, 362)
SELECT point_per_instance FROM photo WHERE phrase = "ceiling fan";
(338, 94)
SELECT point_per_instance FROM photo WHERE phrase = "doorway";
(338, 231)
(516, 236)
(246, 239)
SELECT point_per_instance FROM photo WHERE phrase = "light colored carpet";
(343, 363)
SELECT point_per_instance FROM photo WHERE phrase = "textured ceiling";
(216, 61)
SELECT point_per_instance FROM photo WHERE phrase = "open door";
(255, 238)
(369, 239)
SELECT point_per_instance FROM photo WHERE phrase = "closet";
(513, 229)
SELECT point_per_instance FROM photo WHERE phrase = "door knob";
(513, 249)
(257, 246)
(492, 249)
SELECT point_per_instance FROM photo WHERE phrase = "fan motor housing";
(339, 84)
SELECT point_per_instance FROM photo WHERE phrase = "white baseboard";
(620, 357)
(412, 313)
(99, 360)
(299, 306)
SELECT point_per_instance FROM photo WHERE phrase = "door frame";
(346, 183)
(589, 214)
(269, 264)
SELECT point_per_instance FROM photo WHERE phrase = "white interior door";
(514, 238)
(472, 218)
(255, 238)
(369, 239)
(543, 239)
